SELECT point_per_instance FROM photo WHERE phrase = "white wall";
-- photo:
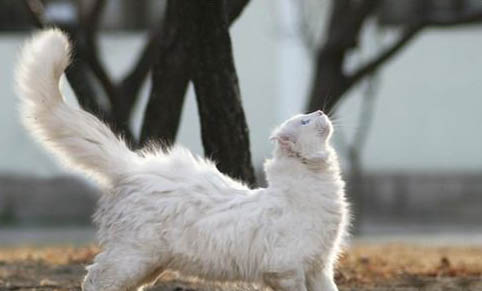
(427, 116)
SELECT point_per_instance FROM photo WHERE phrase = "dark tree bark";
(170, 78)
(234, 8)
(135, 13)
(223, 124)
(82, 85)
(172, 72)
(329, 81)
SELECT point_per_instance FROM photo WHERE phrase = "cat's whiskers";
(341, 123)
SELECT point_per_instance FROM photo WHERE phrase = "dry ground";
(363, 267)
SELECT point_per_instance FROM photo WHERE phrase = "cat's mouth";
(323, 125)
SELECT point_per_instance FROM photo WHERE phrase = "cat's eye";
(305, 122)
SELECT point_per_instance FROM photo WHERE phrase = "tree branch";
(91, 55)
(78, 76)
(76, 72)
(408, 34)
(133, 81)
(94, 16)
(463, 19)
(374, 64)
(363, 10)
(160, 36)
(346, 22)
(35, 9)
(87, 38)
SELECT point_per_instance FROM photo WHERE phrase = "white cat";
(175, 211)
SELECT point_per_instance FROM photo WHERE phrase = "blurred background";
(402, 80)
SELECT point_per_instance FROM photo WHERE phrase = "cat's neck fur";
(291, 172)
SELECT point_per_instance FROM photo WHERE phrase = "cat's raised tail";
(78, 137)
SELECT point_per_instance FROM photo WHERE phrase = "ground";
(395, 267)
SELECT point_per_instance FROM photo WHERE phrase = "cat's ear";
(286, 142)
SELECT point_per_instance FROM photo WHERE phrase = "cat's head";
(304, 136)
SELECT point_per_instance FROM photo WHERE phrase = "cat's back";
(174, 187)
(180, 170)
(166, 181)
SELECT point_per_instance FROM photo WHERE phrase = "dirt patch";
(365, 267)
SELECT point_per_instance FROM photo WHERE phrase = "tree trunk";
(171, 73)
(223, 124)
(170, 78)
(328, 83)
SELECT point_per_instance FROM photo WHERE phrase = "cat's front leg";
(320, 281)
(290, 280)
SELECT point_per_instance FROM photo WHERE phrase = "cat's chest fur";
(319, 212)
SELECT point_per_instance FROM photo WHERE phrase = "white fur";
(77, 136)
(175, 211)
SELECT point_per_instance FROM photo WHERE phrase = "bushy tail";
(83, 141)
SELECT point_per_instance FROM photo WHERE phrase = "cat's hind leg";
(121, 270)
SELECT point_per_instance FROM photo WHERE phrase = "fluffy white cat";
(175, 211)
